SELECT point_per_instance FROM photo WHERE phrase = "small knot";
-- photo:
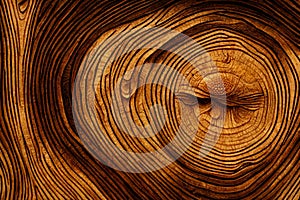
(220, 84)
(23, 5)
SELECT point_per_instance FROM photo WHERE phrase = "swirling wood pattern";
(255, 45)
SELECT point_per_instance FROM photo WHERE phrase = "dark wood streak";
(42, 46)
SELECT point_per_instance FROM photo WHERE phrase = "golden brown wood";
(255, 46)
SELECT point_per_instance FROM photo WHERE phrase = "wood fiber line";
(253, 44)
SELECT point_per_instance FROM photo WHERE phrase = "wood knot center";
(220, 84)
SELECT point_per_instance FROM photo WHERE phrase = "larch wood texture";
(255, 46)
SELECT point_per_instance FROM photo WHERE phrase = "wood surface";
(255, 46)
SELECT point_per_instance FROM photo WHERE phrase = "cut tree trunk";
(237, 98)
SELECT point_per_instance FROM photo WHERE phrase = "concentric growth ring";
(99, 67)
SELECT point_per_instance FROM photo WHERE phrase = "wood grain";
(255, 46)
